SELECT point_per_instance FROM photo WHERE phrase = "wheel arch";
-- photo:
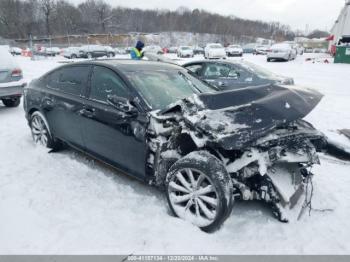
(38, 111)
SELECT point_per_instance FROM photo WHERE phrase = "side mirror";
(122, 104)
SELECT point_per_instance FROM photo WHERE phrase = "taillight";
(16, 72)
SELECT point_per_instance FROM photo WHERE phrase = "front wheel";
(12, 102)
(199, 190)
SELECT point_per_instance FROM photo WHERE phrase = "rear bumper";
(12, 89)
(278, 56)
(234, 53)
(215, 56)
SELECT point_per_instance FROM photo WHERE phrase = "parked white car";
(11, 80)
(214, 51)
(234, 50)
(283, 52)
(154, 49)
(15, 50)
(120, 51)
(52, 51)
(172, 50)
(71, 52)
(110, 51)
(185, 51)
(95, 51)
(261, 49)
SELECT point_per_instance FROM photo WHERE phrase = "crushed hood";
(235, 119)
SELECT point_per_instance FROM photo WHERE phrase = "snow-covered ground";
(67, 203)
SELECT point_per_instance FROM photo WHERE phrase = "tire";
(12, 102)
(268, 60)
(192, 174)
(110, 55)
(41, 131)
(73, 56)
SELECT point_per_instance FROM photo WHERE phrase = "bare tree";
(48, 7)
(18, 18)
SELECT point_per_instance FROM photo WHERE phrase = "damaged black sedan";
(159, 124)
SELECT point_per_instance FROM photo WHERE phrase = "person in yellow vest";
(136, 52)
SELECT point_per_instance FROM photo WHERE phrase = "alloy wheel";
(39, 131)
(193, 197)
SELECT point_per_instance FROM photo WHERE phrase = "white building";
(341, 28)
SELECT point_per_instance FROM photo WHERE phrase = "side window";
(52, 80)
(214, 71)
(105, 82)
(196, 69)
(69, 80)
(73, 79)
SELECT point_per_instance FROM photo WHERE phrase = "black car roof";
(129, 65)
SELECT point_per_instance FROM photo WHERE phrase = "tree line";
(21, 18)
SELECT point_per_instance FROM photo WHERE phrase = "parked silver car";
(11, 80)
(71, 52)
(284, 52)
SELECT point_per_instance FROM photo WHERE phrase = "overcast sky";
(297, 13)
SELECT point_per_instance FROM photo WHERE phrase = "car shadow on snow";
(255, 210)
(118, 176)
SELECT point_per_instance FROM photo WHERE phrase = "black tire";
(211, 172)
(268, 60)
(110, 55)
(12, 102)
(36, 119)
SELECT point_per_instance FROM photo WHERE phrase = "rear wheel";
(199, 190)
(12, 102)
(41, 132)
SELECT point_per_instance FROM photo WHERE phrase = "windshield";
(162, 88)
(185, 48)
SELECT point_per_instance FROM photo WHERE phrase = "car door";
(63, 102)
(110, 134)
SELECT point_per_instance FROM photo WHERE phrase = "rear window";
(70, 80)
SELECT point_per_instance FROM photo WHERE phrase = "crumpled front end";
(256, 132)
(277, 168)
